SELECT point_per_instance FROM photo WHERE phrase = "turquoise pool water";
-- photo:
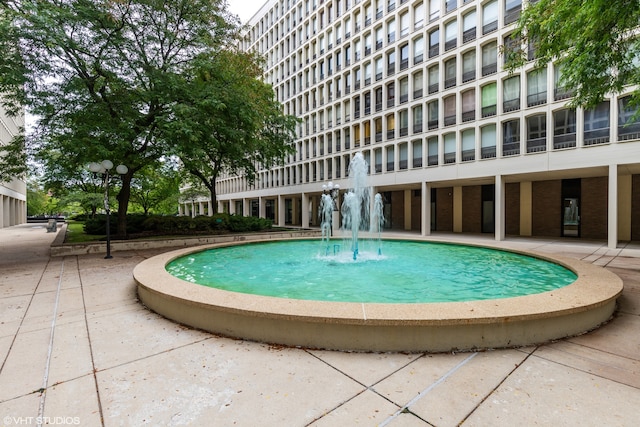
(406, 272)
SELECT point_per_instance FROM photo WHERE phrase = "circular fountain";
(365, 324)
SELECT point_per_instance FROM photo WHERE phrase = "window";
(403, 118)
(450, 5)
(404, 90)
(488, 140)
(490, 17)
(377, 154)
(469, 105)
(468, 145)
(628, 122)
(379, 68)
(469, 27)
(432, 151)
(537, 133)
(403, 156)
(450, 73)
(378, 125)
(596, 124)
(404, 24)
(511, 94)
(367, 73)
(379, 37)
(417, 153)
(511, 137)
(489, 100)
(418, 16)
(378, 95)
(417, 119)
(418, 50)
(434, 43)
(417, 85)
(537, 87)
(390, 158)
(434, 78)
(559, 91)
(489, 58)
(450, 148)
(404, 56)
(469, 66)
(434, 9)
(391, 31)
(432, 111)
(449, 110)
(391, 94)
(564, 129)
(391, 62)
(512, 46)
(451, 35)
(512, 11)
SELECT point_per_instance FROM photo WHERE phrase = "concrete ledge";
(59, 248)
(437, 327)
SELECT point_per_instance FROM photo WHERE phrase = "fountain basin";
(416, 327)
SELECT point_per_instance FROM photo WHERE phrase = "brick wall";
(472, 209)
(594, 207)
(444, 209)
(546, 208)
(512, 208)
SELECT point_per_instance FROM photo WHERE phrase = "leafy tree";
(231, 123)
(102, 77)
(156, 190)
(594, 42)
(36, 199)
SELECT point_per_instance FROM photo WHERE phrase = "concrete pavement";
(76, 348)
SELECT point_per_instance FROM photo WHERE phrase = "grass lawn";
(76, 234)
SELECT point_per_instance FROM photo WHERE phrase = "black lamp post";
(103, 168)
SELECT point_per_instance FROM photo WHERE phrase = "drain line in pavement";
(45, 381)
(428, 389)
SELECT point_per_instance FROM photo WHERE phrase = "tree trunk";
(214, 199)
(123, 204)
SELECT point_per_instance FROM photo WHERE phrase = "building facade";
(13, 195)
(453, 141)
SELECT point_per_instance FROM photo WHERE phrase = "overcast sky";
(245, 8)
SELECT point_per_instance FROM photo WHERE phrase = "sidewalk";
(76, 348)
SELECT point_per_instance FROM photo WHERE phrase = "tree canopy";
(110, 79)
(594, 42)
(230, 103)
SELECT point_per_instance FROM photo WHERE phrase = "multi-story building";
(454, 142)
(13, 194)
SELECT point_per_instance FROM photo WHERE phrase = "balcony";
(536, 145)
(511, 105)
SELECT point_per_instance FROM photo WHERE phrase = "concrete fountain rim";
(524, 320)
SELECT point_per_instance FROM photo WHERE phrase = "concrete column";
(261, 207)
(612, 231)
(281, 210)
(246, 207)
(407, 209)
(425, 210)
(305, 210)
(526, 205)
(499, 208)
(232, 207)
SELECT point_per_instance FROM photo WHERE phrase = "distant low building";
(13, 194)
